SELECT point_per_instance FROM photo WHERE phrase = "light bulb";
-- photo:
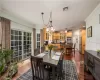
(47, 29)
(51, 28)
(66, 31)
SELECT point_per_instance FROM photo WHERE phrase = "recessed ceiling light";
(65, 8)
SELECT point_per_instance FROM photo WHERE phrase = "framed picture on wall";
(89, 31)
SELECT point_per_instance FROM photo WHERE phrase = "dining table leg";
(53, 73)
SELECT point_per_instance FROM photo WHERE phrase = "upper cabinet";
(62, 36)
(46, 34)
(69, 34)
(57, 36)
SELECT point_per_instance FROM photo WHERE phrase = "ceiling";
(30, 10)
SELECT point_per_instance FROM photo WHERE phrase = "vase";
(50, 53)
(98, 53)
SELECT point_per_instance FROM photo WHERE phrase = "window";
(27, 44)
(38, 40)
(20, 44)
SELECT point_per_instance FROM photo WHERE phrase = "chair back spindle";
(37, 68)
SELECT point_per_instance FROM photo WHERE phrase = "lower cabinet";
(96, 71)
(92, 62)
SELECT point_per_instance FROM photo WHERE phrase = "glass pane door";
(20, 44)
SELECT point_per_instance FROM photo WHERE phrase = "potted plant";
(7, 55)
(6, 65)
(50, 47)
(98, 52)
(13, 69)
(2, 62)
(7, 78)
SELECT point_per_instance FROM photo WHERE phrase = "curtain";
(42, 37)
(34, 38)
(5, 34)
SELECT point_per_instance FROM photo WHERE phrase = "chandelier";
(49, 26)
(66, 30)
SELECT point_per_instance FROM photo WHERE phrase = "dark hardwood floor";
(78, 59)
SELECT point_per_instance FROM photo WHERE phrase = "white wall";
(21, 27)
(37, 30)
(76, 37)
(93, 43)
(15, 18)
(19, 24)
(0, 8)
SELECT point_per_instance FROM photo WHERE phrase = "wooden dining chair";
(62, 45)
(42, 49)
(36, 51)
(51, 69)
(59, 68)
(73, 48)
(38, 71)
(68, 49)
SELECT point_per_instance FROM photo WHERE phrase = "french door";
(38, 40)
(20, 44)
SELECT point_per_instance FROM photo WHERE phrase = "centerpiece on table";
(50, 47)
(98, 52)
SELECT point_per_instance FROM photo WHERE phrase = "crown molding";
(1, 9)
(39, 26)
(14, 18)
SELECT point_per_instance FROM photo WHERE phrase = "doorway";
(82, 40)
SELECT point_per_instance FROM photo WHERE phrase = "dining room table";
(52, 59)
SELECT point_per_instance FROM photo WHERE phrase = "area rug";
(69, 69)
